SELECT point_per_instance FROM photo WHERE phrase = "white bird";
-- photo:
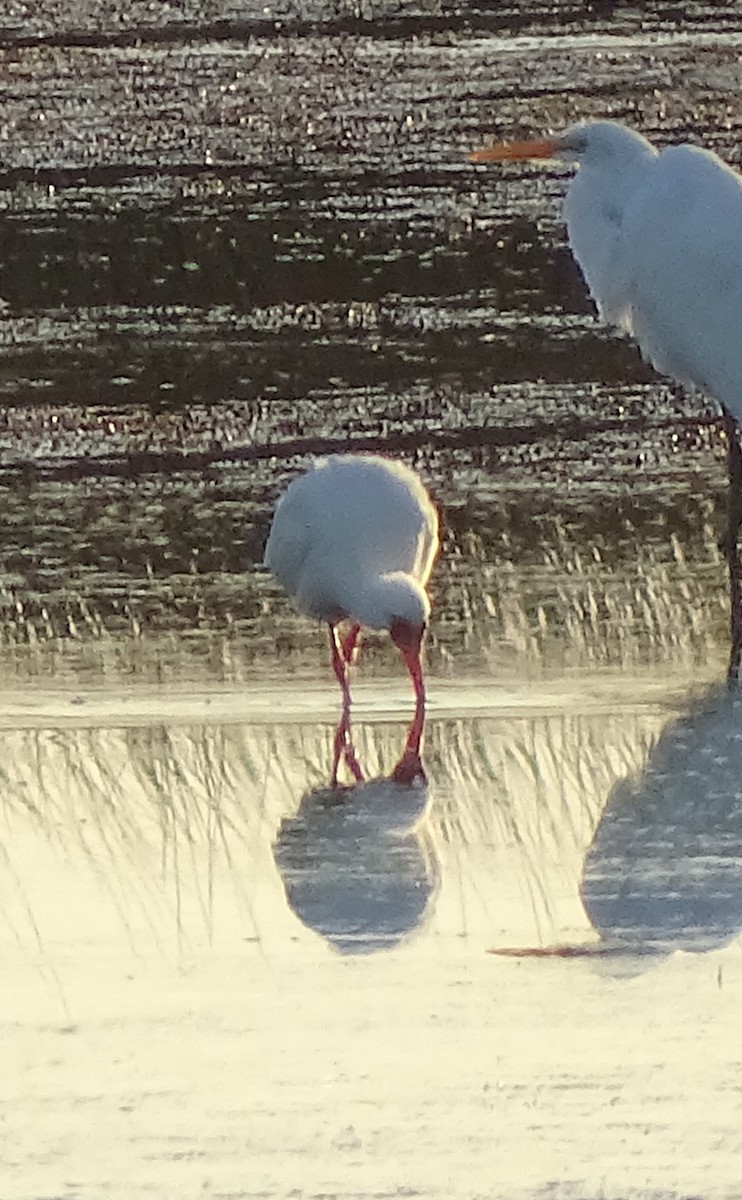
(658, 237)
(355, 539)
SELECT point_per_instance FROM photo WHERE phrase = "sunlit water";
(232, 237)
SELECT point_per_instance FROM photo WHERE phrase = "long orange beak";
(516, 151)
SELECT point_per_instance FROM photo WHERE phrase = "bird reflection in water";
(664, 870)
(357, 865)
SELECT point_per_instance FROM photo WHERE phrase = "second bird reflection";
(354, 541)
(664, 870)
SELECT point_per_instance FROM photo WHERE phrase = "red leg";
(410, 768)
(349, 644)
(337, 750)
(343, 745)
(343, 748)
(351, 761)
(339, 665)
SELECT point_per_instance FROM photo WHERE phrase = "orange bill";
(516, 151)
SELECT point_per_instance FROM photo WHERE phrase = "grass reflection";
(171, 827)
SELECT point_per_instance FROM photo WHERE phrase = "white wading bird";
(354, 539)
(658, 237)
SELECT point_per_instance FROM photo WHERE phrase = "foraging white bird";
(658, 237)
(355, 539)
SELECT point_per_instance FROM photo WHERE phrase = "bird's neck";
(594, 211)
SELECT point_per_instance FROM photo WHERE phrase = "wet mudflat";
(232, 237)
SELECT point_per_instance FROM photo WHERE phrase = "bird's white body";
(658, 237)
(356, 538)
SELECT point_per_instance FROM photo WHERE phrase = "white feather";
(356, 537)
(658, 237)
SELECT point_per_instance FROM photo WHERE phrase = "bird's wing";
(318, 544)
(290, 539)
(682, 242)
(428, 543)
(407, 534)
(381, 516)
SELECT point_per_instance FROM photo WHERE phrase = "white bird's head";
(399, 600)
(602, 143)
(588, 143)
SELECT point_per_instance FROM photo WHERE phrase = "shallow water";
(231, 237)
(522, 979)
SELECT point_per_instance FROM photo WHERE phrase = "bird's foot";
(409, 771)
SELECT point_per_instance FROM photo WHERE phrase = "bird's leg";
(349, 644)
(341, 674)
(410, 768)
(734, 520)
(338, 662)
(351, 761)
(343, 748)
(348, 650)
(343, 744)
(340, 668)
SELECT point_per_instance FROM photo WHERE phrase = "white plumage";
(355, 539)
(658, 237)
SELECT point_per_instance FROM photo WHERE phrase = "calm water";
(232, 237)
